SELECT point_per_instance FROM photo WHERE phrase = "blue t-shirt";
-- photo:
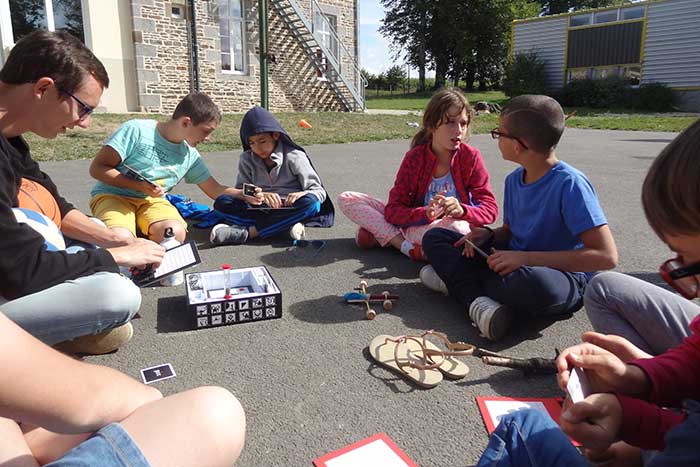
(551, 213)
(444, 184)
(142, 148)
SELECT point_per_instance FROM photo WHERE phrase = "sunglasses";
(496, 133)
(681, 277)
(316, 246)
(84, 109)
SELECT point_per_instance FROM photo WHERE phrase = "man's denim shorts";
(110, 447)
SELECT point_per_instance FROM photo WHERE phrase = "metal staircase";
(339, 68)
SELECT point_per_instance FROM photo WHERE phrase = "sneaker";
(365, 239)
(222, 234)
(98, 344)
(297, 231)
(416, 254)
(431, 280)
(492, 319)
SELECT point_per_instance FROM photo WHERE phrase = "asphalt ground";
(306, 380)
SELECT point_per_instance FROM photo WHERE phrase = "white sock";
(406, 247)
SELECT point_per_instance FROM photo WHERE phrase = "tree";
(395, 77)
(405, 24)
(554, 7)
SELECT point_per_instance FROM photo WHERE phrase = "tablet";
(175, 260)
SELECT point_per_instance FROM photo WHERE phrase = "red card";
(375, 451)
(492, 408)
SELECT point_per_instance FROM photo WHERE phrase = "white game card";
(578, 386)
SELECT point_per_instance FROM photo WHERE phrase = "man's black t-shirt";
(26, 266)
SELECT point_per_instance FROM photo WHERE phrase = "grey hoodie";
(292, 172)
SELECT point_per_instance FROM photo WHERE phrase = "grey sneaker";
(222, 234)
(431, 280)
(297, 231)
(492, 319)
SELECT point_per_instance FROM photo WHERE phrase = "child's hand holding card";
(578, 386)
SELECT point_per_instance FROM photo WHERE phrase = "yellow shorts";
(132, 213)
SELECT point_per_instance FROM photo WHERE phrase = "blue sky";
(374, 49)
(375, 55)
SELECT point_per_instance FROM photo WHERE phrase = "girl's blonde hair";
(671, 192)
(435, 113)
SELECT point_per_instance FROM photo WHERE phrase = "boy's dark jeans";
(270, 221)
(532, 290)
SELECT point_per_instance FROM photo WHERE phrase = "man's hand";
(605, 371)
(272, 199)
(503, 262)
(595, 422)
(154, 191)
(293, 197)
(139, 253)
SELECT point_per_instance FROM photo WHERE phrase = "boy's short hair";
(56, 55)
(538, 120)
(198, 107)
(671, 192)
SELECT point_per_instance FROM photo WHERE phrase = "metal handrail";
(356, 73)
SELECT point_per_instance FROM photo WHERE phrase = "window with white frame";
(325, 26)
(232, 28)
(26, 16)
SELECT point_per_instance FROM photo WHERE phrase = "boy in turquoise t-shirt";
(144, 159)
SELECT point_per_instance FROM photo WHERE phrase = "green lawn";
(330, 127)
(418, 101)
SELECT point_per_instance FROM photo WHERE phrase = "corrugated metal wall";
(548, 39)
(672, 49)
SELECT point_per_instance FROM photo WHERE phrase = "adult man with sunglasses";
(51, 83)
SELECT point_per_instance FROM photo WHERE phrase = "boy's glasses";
(496, 133)
(315, 245)
(84, 109)
(681, 277)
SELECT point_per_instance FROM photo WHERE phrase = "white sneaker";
(297, 231)
(492, 319)
(431, 280)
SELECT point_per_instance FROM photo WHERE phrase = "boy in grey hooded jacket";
(292, 193)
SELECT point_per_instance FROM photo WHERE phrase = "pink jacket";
(674, 376)
(405, 206)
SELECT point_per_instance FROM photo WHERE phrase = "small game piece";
(157, 373)
(578, 386)
(227, 281)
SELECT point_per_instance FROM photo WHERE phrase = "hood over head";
(258, 120)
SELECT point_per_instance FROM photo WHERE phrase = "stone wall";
(164, 66)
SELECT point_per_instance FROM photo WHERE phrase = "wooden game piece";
(387, 304)
(385, 298)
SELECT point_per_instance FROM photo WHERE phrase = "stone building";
(156, 51)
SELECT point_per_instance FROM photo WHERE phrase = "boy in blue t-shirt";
(144, 159)
(554, 231)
